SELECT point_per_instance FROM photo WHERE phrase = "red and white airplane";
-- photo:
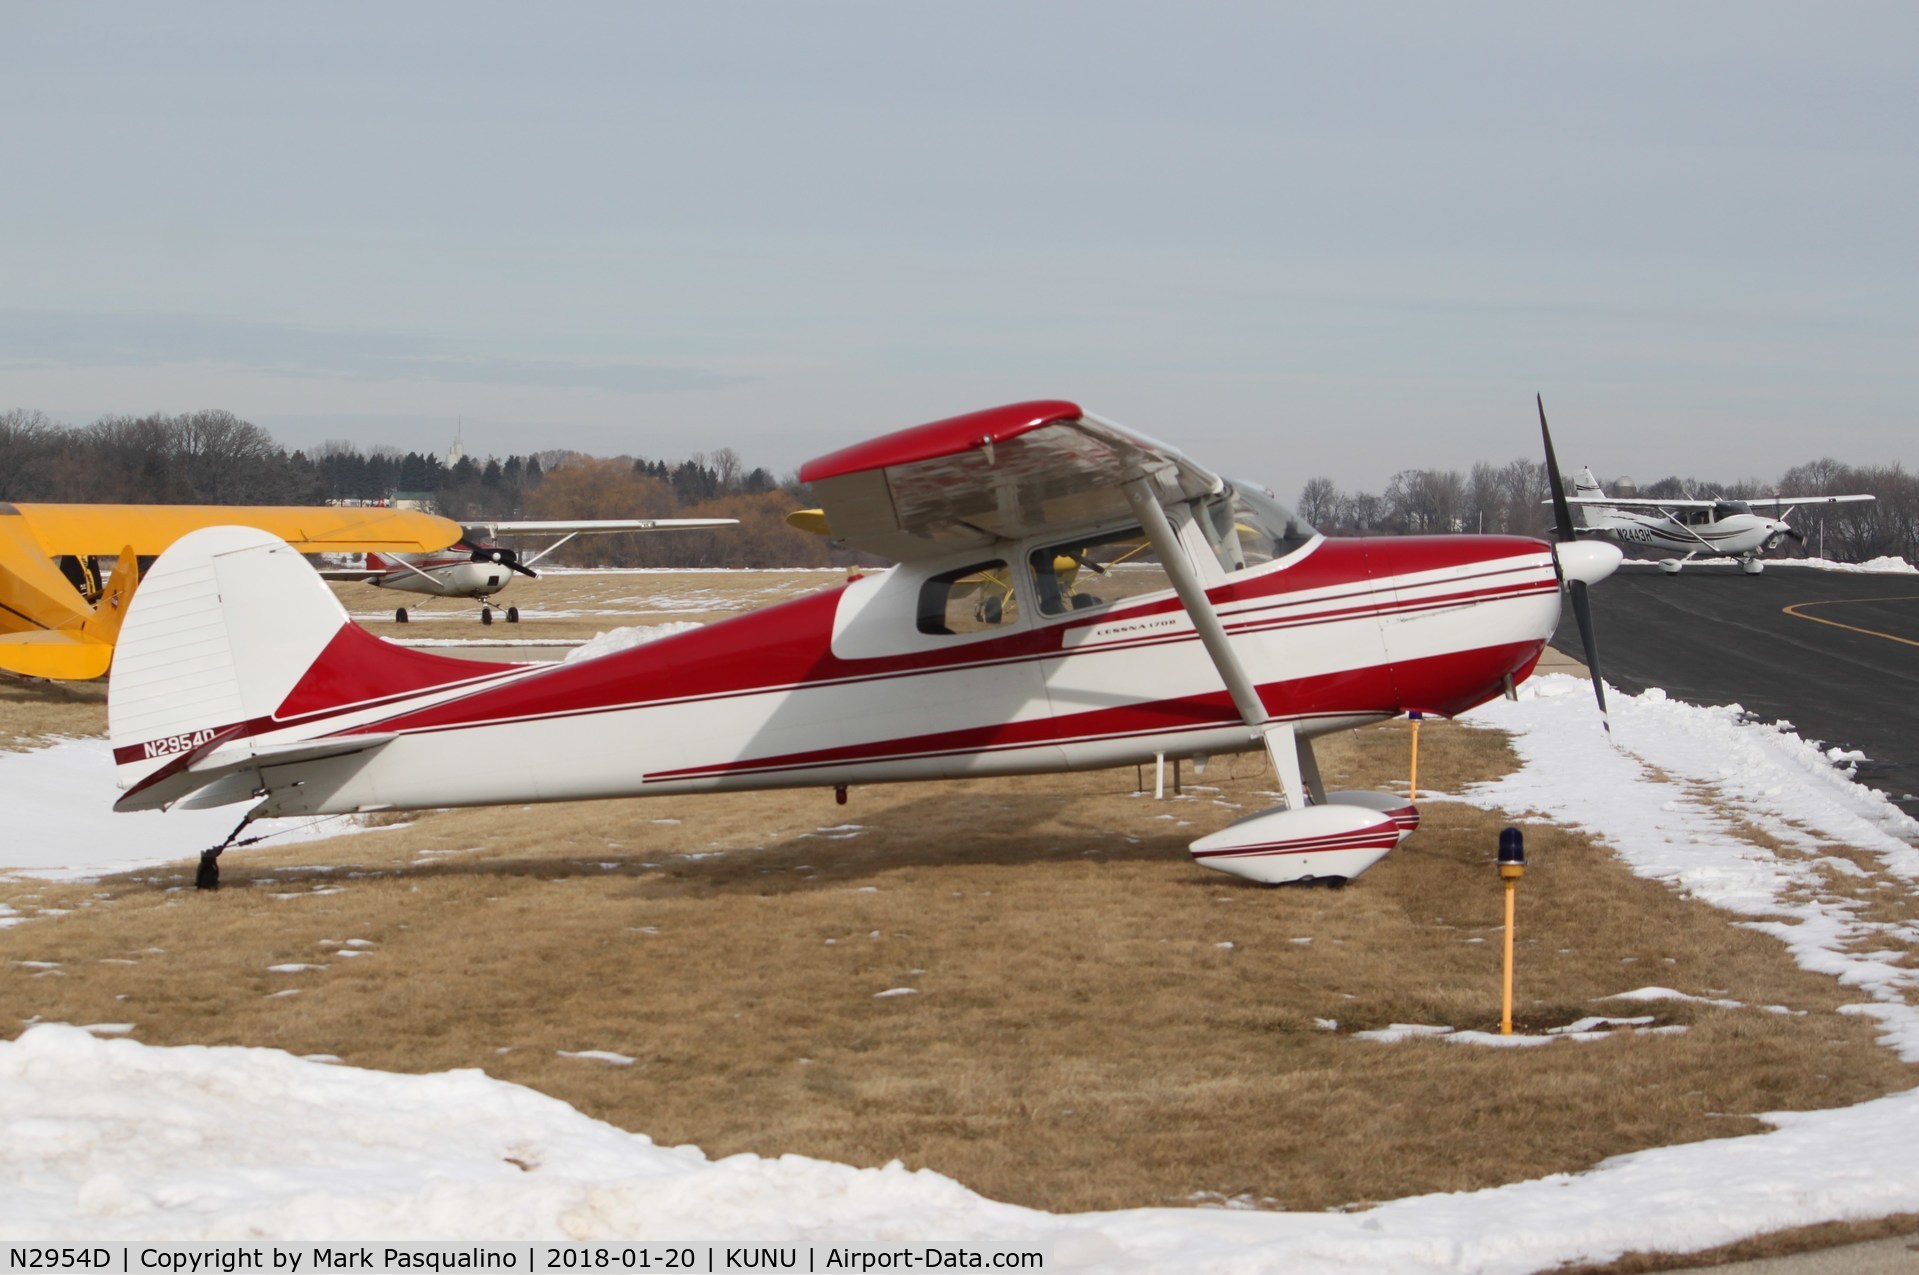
(475, 567)
(1238, 628)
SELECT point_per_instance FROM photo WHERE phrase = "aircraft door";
(949, 686)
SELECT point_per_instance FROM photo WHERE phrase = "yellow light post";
(1512, 866)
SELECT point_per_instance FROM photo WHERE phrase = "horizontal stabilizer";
(211, 771)
(60, 654)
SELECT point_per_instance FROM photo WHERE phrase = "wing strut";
(550, 548)
(1291, 756)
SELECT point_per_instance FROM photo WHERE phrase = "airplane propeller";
(1572, 581)
(505, 558)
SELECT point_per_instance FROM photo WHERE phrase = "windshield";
(1248, 528)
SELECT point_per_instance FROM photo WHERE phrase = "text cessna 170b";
(475, 567)
(58, 615)
(240, 679)
(1716, 528)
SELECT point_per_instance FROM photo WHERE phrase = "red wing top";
(1002, 474)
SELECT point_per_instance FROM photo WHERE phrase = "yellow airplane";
(58, 619)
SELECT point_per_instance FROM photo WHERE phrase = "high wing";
(1776, 501)
(1004, 473)
(594, 526)
(106, 529)
(50, 628)
(1633, 502)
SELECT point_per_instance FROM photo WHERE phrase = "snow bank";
(1875, 566)
(113, 1140)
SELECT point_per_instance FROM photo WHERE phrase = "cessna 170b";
(1240, 628)
(475, 567)
(1717, 528)
(59, 615)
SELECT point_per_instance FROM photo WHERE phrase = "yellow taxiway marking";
(1794, 610)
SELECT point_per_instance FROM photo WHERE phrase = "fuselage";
(1697, 532)
(451, 573)
(845, 687)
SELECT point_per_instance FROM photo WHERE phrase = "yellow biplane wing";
(50, 627)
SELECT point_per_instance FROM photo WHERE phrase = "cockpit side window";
(1248, 528)
(972, 599)
(1096, 570)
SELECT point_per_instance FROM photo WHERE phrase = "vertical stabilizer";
(221, 630)
(1588, 486)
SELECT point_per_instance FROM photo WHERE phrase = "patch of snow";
(597, 1055)
(625, 639)
(61, 824)
(1668, 994)
(1656, 798)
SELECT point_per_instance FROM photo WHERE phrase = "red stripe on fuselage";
(789, 645)
(1476, 675)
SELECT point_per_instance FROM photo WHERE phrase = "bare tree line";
(214, 457)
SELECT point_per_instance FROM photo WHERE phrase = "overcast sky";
(1291, 239)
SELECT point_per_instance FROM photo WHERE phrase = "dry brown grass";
(1095, 1021)
(33, 712)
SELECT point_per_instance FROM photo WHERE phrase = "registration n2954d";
(46, 1258)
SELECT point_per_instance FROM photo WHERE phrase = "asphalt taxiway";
(1834, 653)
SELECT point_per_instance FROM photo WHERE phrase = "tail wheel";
(513, 615)
(399, 616)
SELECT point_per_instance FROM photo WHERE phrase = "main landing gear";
(486, 614)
